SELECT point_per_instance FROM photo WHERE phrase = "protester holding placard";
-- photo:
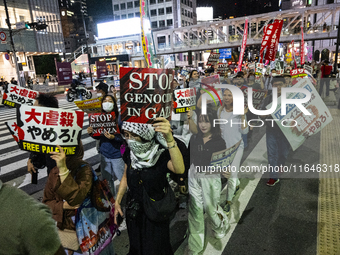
(205, 190)
(102, 89)
(152, 152)
(68, 184)
(277, 144)
(111, 162)
(39, 160)
(232, 134)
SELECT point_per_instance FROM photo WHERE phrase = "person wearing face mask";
(152, 152)
(102, 89)
(253, 83)
(111, 162)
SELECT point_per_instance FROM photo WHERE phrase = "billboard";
(101, 68)
(64, 73)
(225, 53)
(119, 28)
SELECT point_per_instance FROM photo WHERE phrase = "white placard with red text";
(213, 58)
(185, 99)
(42, 128)
(15, 95)
(307, 125)
(13, 129)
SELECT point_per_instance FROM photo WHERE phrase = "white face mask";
(99, 94)
(107, 106)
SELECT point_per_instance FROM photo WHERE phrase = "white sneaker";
(224, 227)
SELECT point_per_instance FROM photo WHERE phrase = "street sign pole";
(12, 44)
(87, 46)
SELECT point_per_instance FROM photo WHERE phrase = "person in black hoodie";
(204, 190)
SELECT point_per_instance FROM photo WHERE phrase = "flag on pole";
(270, 40)
(146, 35)
(302, 48)
(293, 54)
(243, 48)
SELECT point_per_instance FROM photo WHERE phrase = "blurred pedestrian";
(13, 81)
(26, 225)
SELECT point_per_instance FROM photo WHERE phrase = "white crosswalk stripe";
(13, 161)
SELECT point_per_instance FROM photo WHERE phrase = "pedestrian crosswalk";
(13, 161)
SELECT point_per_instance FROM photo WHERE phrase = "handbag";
(94, 229)
(68, 239)
(160, 210)
(100, 193)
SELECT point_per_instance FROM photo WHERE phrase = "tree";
(45, 64)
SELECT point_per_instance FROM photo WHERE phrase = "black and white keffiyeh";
(144, 154)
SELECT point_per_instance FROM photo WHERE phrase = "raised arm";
(176, 164)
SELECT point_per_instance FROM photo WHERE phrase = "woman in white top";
(232, 134)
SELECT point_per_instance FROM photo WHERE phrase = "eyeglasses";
(130, 135)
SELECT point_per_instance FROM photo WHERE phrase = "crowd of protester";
(144, 158)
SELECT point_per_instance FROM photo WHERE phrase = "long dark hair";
(190, 75)
(209, 117)
(115, 107)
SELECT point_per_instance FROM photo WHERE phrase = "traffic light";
(36, 25)
(40, 26)
(28, 25)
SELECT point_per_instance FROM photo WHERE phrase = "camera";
(39, 161)
(132, 209)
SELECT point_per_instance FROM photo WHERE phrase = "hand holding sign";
(108, 135)
(60, 159)
(163, 125)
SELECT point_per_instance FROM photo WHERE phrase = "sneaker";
(272, 182)
(225, 227)
(226, 208)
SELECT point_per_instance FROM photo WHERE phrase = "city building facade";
(29, 42)
(324, 48)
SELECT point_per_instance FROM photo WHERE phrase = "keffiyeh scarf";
(144, 154)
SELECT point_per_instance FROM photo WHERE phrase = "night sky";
(103, 12)
(238, 8)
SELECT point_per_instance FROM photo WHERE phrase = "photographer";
(39, 160)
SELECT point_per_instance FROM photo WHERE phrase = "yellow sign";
(90, 105)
